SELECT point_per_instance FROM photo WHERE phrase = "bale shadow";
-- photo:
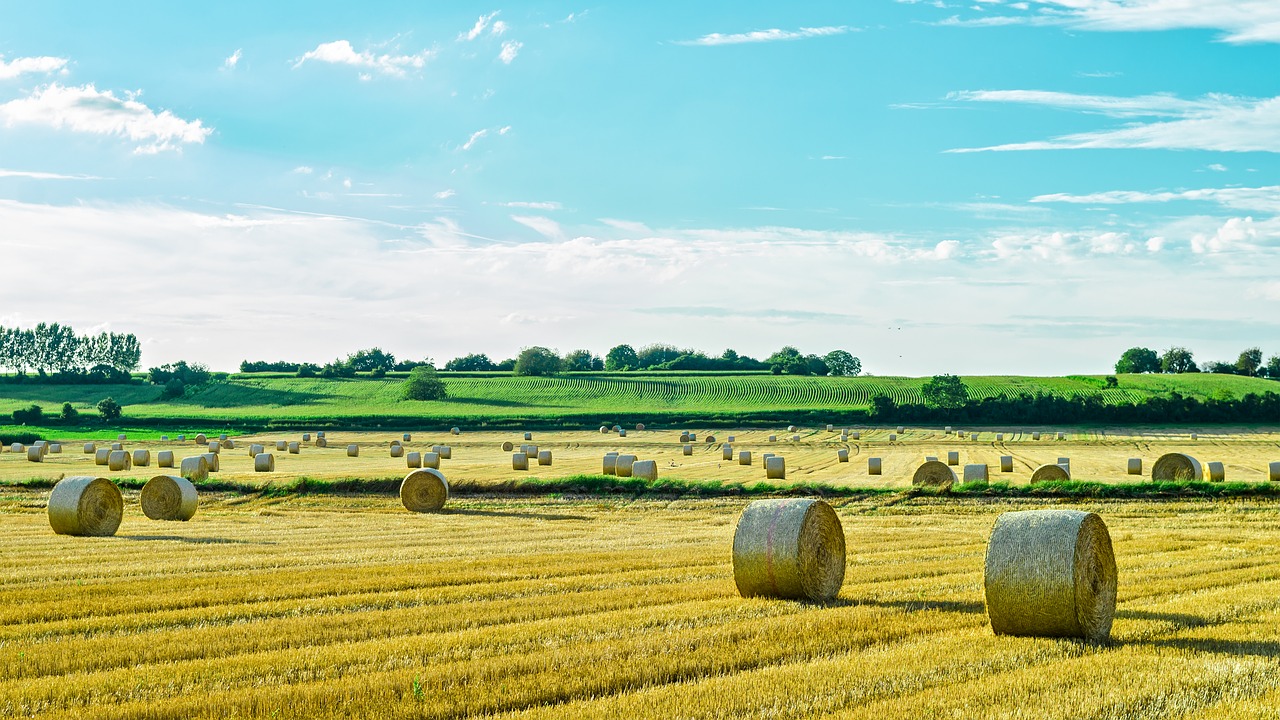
(956, 606)
(1182, 620)
(195, 540)
(1268, 649)
(511, 514)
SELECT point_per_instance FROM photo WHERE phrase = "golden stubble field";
(478, 458)
(316, 606)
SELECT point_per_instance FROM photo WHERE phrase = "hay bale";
(1006, 463)
(222, 437)
(322, 442)
(684, 437)
(34, 454)
(182, 438)
(789, 548)
(228, 443)
(639, 427)
(791, 428)
(164, 438)
(397, 451)
(295, 447)
(947, 430)
(610, 464)
(842, 455)
(1195, 436)
(194, 469)
(166, 497)
(119, 461)
(973, 437)
(83, 505)
(1135, 466)
(212, 461)
(432, 460)
(455, 431)
(693, 437)
(616, 428)
(55, 448)
(687, 449)
(830, 427)
(256, 449)
(999, 437)
(874, 466)
(1217, 473)
(519, 461)
(528, 436)
(281, 445)
(215, 447)
(90, 448)
(1050, 473)
(102, 456)
(730, 439)
(141, 458)
(164, 458)
(406, 437)
(902, 430)
(893, 437)
(424, 490)
(544, 457)
(320, 434)
(976, 473)
(645, 470)
(201, 439)
(953, 457)
(855, 435)
(775, 468)
(795, 438)
(531, 450)
(117, 446)
(1051, 573)
(1062, 436)
(744, 457)
(726, 452)
(264, 462)
(773, 438)
(122, 437)
(604, 430)
(1176, 467)
(444, 451)
(306, 437)
(1035, 436)
(353, 450)
(622, 433)
(507, 446)
(710, 439)
(1273, 471)
(935, 475)
(413, 460)
(623, 465)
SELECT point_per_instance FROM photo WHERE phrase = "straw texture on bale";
(164, 458)
(789, 548)
(1176, 467)
(610, 464)
(623, 465)
(744, 457)
(544, 457)
(256, 449)
(201, 439)
(710, 439)
(874, 466)
(166, 497)
(1049, 473)
(294, 447)
(212, 461)
(322, 442)
(604, 430)
(119, 460)
(687, 449)
(684, 437)
(413, 460)
(1006, 463)
(1134, 466)
(397, 451)
(1051, 573)
(117, 446)
(264, 462)
(432, 460)
(353, 451)
(519, 461)
(444, 451)
(215, 447)
(195, 468)
(726, 452)
(424, 491)
(141, 458)
(1217, 473)
(90, 448)
(55, 448)
(645, 469)
(934, 475)
(34, 454)
(775, 468)
(507, 446)
(83, 505)
(229, 444)
(976, 472)
(281, 446)
(1273, 471)
(842, 455)
(101, 456)
(953, 457)
(531, 450)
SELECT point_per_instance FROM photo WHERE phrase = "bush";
(945, 391)
(175, 388)
(69, 414)
(424, 384)
(28, 416)
(537, 361)
(109, 409)
(308, 370)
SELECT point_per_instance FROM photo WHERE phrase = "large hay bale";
(413, 460)
(55, 448)
(264, 462)
(874, 466)
(1135, 466)
(117, 446)
(710, 439)
(141, 458)
(789, 548)
(166, 497)
(531, 451)
(102, 456)
(215, 447)
(83, 505)
(256, 449)
(953, 457)
(1050, 473)
(1051, 573)
(164, 458)
(213, 462)
(1035, 436)
(282, 445)
(684, 437)
(322, 442)
(616, 428)
(744, 457)
(201, 439)
(610, 464)
(507, 446)
(432, 460)
(902, 430)
(622, 433)
(90, 448)
(228, 443)
(397, 451)
(1273, 471)
(444, 451)
(934, 475)
(519, 461)
(645, 470)
(194, 468)
(976, 473)
(604, 430)
(855, 435)
(623, 465)
(353, 450)
(775, 468)
(1217, 473)
(295, 447)
(118, 461)
(424, 490)
(773, 438)
(544, 457)
(830, 427)
(842, 455)
(1177, 467)
(687, 449)
(1006, 463)
(726, 452)
(35, 454)
(947, 430)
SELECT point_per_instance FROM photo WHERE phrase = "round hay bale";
(444, 451)
(528, 436)
(83, 505)
(117, 446)
(544, 457)
(616, 428)
(795, 438)
(1006, 463)
(902, 430)
(1273, 471)
(102, 456)
(141, 458)
(773, 438)
(166, 497)
(228, 444)
(623, 465)
(973, 437)
(320, 434)
(295, 447)
(684, 437)
(935, 475)
(455, 431)
(604, 430)
(164, 438)
(264, 462)
(775, 468)
(953, 457)
(893, 437)
(791, 428)
(645, 470)
(306, 437)
(726, 452)
(1062, 436)
(194, 468)
(730, 439)
(397, 451)
(519, 461)
(222, 437)
(182, 438)
(999, 437)
(639, 427)
(34, 454)
(322, 442)
(710, 439)
(507, 446)
(610, 464)
(976, 473)
(1217, 473)
(790, 548)
(1051, 573)
(213, 462)
(118, 461)
(744, 457)
(842, 455)
(407, 438)
(424, 490)
(353, 450)
(55, 448)
(122, 437)
(90, 448)
(201, 439)
(215, 447)
(413, 460)
(281, 446)
(1195, 436)
(830, 427)
(432, 460)
(164, 458)
(687, 449)
(874, 466)
(947, 430)
(856, 435)
(531, 451)
(622, 433)
(693, 437)
(1135, 466)
(1050, 473)
(1176, 467)
(256, 449)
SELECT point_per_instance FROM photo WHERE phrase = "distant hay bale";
(623, 465)
(281, 445)
(182, 438)
(34, 454)
(874, 466)
(1035, 436)
(693, 437)
(229, 444)
(55, 448)
(610, 464)
(953, 457)
(122, 437)
(295, 447)
(934, 475)
(531, 450)
(773, 438)
(166, 497)
(201, 439)
(616, 428)
(855, 435)
(795, 438)
(320, 434)
(222, 437)
(194, 468)
(83, 505)
(901, 430)
(256, 449)
(726, 452)
(645, 470)
(413, 459)
(395, 443)
(519, 461)
(1050, 473)
(639, 427)
(117, 446)
(1135, 466)
(622, 433)
(164, 438)
(1062, 436)
(213, 462)
(528, 436)
(710, 439)
(507, 446)
(1006, 463)
(90, 448)
(1176, 467)
(102, 456)
(1195, 436)
(406, 437)
(789, 548)
(893, 437)
(999, 437)
(1273, 471)
(744, 457)
(684, 437)
(947, 430)
(604, 430)
(687, 449)
(973, 437)
(842, 455)
(353, 450)
(397, 451)
(455, 431)
(730, 439)
(322, 442)
(791, 428)
(215, 447)
(141, 458)
(424, 491)
(775, 468)
(1217, 473)
(1051, 573)
(264, 462)
(830, 427)
(976, 473)
(118, 461)
(164, 458)
(432, 460)
(306, 437)
(544, 457)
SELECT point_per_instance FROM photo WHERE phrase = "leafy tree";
(842, 363)
(473, 362)
(338, 369)
(621, 357)
(193, 374)
(1249, 362)
(537, 361)
(175, 388)
(883, 407)
(1273, 367)
(816, 365)
(28, 416)
(109, 409)
(1218, 368)
(784, 357)
(69, 413)
(307, 370)
(1138, 360)
(507, 365)
(1112, 381)
(370, 360)
(1178, 360)
(424, 384)
(651, 356)
(945, 391)
(582, 361)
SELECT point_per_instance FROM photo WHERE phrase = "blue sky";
(988, 187)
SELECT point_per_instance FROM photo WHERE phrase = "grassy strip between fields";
(608, 486)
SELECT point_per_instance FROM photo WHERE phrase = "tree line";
(1180, 360)
(51, 349)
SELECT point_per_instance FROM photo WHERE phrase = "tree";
(815, 365)
(370, 360)
(621, 357)
(1273, 367)
(69, 414)
(1138, 360)
(1218, 367)
(471, 363)
(28, 416)
(945, 391)
(1249, 362)
(537, 361)
(1178, 360)
(842, 363)
(582, 361)
(424, 384)
(507, 365)
(109, 409)
(651, 356)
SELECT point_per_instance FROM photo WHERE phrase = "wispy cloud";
(232, 60)
(1265, 199)
(303, 170)
(36, 175)
(445, 194)
(341, 52)
(770, 35)
(510, 49)
(544, 226)
(482, 23)
(532, 205)
(85, 109)
(475, 137)
(31, 66)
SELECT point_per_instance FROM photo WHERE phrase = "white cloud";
(771, 35)
(478, 29)
(341, 52)
(86, 109)
(1267, 291)
(1234, 234)
(504, 130)
(36, 175)
(303, 170)
(499, 28)
(533, 205)
(510, 49)
(544, 226)
(1259, 198)
(31, 66)
(1216, 167)
(232, 60)
(1159, 105)
(475, 136)
(445, 194)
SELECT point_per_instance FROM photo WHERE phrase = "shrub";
(109, 409)
(424, 384)
(537, 361)
(69, 414)
(28, 416)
